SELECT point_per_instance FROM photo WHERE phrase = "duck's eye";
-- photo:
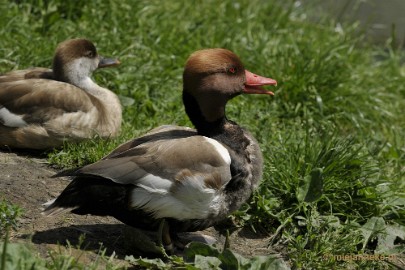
(89, 54)
(232, 70)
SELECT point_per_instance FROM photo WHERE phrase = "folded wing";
(171, 172)
(36, 101)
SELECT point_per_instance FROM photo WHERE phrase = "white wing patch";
(222, 151)
(11, 120)
(189, 199)
(154, 183)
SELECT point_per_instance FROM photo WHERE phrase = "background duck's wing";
(23, 102)
(31, 73)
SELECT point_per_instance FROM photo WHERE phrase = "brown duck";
(41, 108)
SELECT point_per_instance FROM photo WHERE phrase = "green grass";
(9, 213)
(20, 256)
(333, 136)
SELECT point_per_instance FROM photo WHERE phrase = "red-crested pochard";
(190, 178)
(40, 108)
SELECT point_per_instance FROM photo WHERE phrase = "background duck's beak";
(254, 81)
(108, 62)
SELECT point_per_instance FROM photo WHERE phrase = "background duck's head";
(76, 59)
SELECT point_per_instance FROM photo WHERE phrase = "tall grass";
(332, 137)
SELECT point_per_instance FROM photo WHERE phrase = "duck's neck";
(246, 157)
(109, 104)
(88, 85)
(209, 128)
(221, 129)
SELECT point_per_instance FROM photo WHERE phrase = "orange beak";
(253, 83)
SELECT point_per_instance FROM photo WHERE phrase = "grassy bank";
(333, 137)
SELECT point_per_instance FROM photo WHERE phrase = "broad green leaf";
(230, 260)
(20, 257)
(386, 239)
(271, 262)
(373, 226)
(156, 263)
(207, 257)
(196, 248)
(206, 262)
(311, 188)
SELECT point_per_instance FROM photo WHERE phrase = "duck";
(42, 108)
(178, 179)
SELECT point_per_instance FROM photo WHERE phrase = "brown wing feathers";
(174, 159)
(39, 103)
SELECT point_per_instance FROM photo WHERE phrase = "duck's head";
(214, 76)
(76, 59)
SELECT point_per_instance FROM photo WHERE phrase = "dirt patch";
(26, 180)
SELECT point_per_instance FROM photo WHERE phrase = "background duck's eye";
(89, 54)
(232, 70)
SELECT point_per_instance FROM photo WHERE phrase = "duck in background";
(41, 108)
(189, 178)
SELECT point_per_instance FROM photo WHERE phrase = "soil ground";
(26, 180)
